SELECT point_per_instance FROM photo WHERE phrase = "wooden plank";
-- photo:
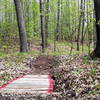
(28, 84)
(33, 81)
(26, 89)
(36, 76)
(22, 91)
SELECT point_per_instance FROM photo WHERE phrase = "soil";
(43, 64)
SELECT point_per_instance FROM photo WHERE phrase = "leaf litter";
(77, 77)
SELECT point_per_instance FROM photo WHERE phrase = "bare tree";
(21, 26)
(46, 21)
(79, 28)
(58, 21)
(42, 26)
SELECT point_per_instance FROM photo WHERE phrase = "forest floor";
(76, 76)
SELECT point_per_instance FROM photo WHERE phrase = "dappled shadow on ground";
(77, 77)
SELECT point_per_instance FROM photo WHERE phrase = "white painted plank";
(36, 76)
(26, 89)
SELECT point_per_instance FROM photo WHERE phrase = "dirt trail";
(43, 64)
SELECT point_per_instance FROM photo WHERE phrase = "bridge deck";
(29, 84)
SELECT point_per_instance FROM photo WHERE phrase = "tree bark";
(21, 26)
(96, 52)
(46, 22)
(79, 28)
(58, 21)
(42, 18)
(83, 25)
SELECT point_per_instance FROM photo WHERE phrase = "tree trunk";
(58, 21)
(79, 28)
(21, 26)
(96, 52)
(46, 22)
(42, 18)
(83, 25)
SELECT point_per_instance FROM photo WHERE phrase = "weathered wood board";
(29, 84)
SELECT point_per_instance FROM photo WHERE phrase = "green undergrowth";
(88, 60)
(3, 54)
(62, 48)
(28, 53)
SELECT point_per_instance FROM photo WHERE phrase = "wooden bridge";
(29, 84)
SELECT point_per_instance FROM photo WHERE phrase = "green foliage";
(68, 23)
(97, 86)
(93, 71)
(94, 92)
(86, 59)
(28, 53)
(3, 54)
